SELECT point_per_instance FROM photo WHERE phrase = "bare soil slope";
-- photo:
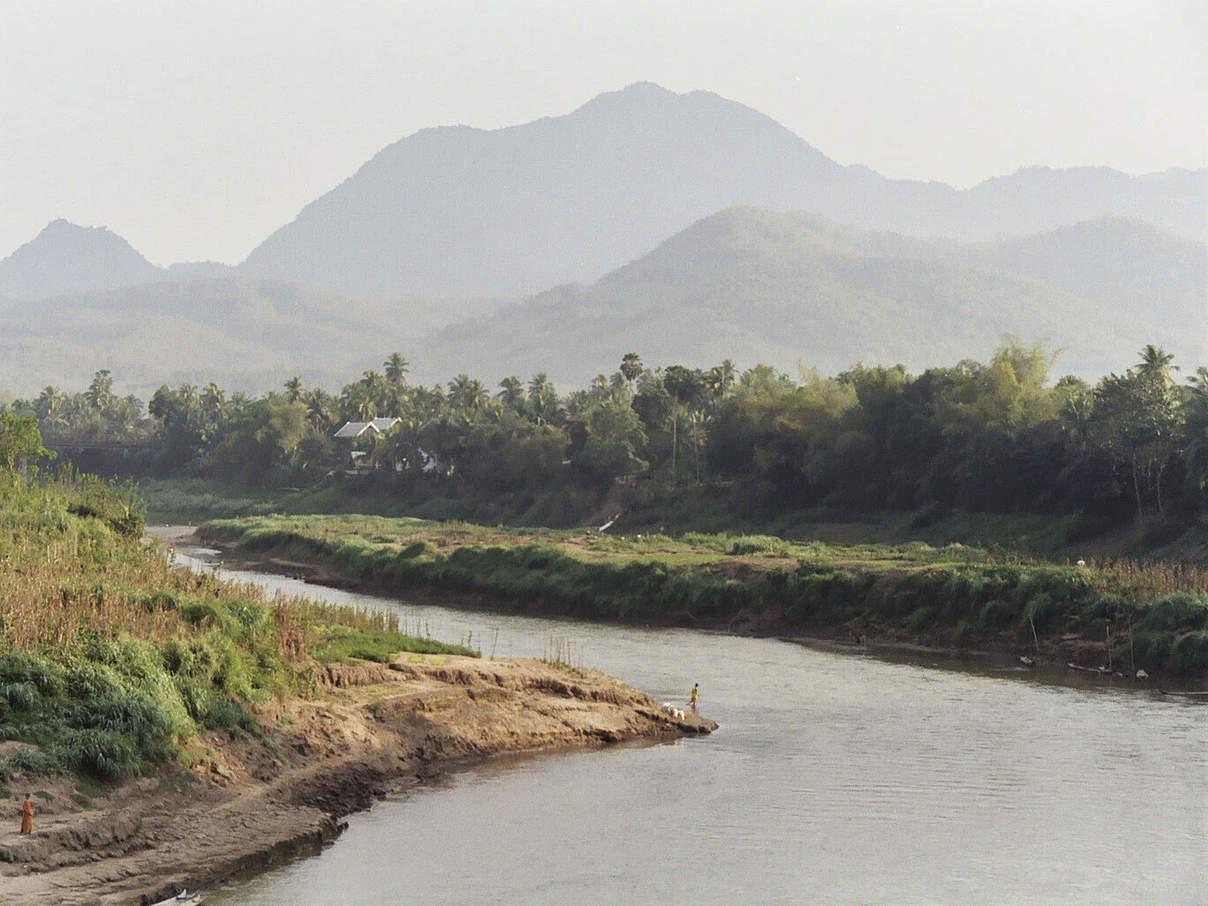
(250, 803)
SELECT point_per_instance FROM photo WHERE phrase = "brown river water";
(835, 778)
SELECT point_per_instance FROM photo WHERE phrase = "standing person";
(27, 815)
(694, 695)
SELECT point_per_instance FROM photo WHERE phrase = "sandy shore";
(249, 804)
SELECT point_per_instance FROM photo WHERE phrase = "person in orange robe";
(27, 815)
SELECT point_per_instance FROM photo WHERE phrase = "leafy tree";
(1136, 419)
(1195, 409)
(614, 438)
(511, 454)
(20, 442)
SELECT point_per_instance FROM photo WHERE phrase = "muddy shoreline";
(247, 804)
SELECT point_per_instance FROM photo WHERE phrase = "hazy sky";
(195, 129)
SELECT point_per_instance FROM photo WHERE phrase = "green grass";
(949, 594)
(111, 661)
(383, 646)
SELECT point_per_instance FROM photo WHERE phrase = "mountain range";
(671, 225)
(746, 283)
(788, 288)
(565, 199)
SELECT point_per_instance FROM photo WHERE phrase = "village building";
(361, 437)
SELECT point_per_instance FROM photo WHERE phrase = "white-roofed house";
(360, 435)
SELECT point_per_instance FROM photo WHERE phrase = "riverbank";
(250, 803)
(1113, 618)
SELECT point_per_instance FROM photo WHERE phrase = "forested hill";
(759, 286)
(1123, 263)
(746, 284)
(456, 210)
(246, 334)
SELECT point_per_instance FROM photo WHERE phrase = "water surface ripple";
(834, 779)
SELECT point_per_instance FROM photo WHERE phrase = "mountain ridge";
(456, 210)
(781, 288)
(748, 284)
(569, 198)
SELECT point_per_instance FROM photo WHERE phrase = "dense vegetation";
(112, 662)
(1102, 614)
(995, 437)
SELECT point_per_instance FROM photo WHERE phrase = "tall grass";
(109, 658)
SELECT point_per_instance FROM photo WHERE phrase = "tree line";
(990, 436)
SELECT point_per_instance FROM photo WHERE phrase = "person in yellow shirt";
(695, 694)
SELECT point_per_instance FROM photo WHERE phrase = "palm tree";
(684, 386)
(468, 394)
(631, 367)
(396, 368)
(48, 403)
(212, 397)
(719, 380)
(293, 389)
(100, 391)
(511, 393)
(1198, 381)
(542, 399)
(317, 407)
(1156, 362)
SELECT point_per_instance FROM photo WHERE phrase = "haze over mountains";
(565, 199)
(761, 286)
(437, 228)
(65, 259)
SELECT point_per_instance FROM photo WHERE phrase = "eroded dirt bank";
(250, 803)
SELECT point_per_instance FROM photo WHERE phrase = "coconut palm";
(396, 368)
(511, 393)
(1156, 362)
(468, 394)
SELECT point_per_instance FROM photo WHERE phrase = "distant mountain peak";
(67, 258)
(569, 198)
(635, 91)
(62, 227)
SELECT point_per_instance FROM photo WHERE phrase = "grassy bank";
(1126, 615)
(705, 510)
(112, 663)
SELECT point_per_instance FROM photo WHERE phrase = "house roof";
(353, 429)
(356, 429)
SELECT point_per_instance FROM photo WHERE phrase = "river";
(834, 778)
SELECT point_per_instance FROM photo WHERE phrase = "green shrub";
(996, 614)
(104, 754)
